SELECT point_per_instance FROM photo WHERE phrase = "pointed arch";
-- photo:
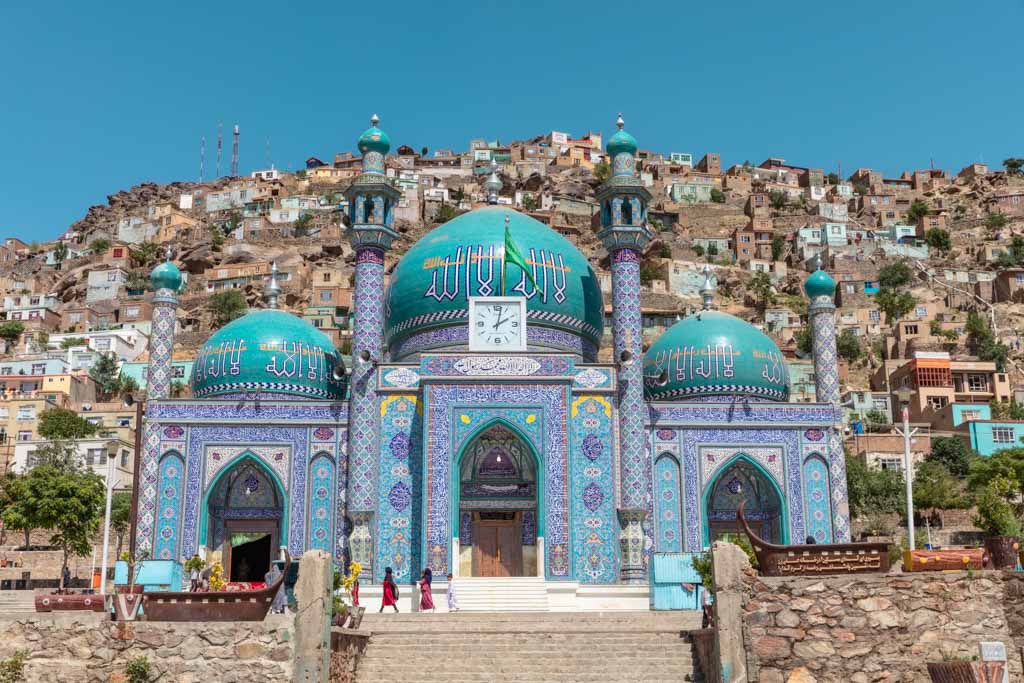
(239, 460)
(763, 474)
(668, 521)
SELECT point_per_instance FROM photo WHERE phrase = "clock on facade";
(497, 323)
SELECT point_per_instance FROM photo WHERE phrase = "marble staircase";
(640, 647)
(17, 604)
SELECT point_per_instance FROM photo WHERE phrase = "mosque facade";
(476, 432)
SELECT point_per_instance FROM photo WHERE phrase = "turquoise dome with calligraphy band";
(427, 304)
(715, 354)
(268, 351)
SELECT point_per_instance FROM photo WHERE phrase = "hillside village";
(929, 266)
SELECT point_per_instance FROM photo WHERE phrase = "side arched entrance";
(744, 481)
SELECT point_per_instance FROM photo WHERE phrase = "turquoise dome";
(715, 354)
(374, 139)
(430, 286)
(622, 142)
(166, 276)
(819, 283)
(270, 352)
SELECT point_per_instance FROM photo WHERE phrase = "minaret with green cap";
(371, 200)
(166, 280)
(820, 289)
(624, 232)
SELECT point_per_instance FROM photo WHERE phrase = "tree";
(712, 250)
(120, 516)
(60, 253)
(302, 225)
(873, 490)
(761, 286)
(1007, 464)
(445, 213)
(937, 238)
(996, 221)
(895, 275)
(1013, 165)
(530, 203)
(717, 196)
(226, 306)
(1006, 410)
(423, 151)
(895, 304)
(106, 375)
(178, 388)
(603, 171)
(778, 199)
(69, 503)
(97, 247)
(848, 346)
(833, 179)
(216, 237)
(875, 419)
(11, 331)
(71, 342)
(146, 253)
(936, 488)
(918, 209)
(996, 513)
(61, 454)
(778, 247)
(802, 337)
(984, 344)
(61, 423)
(698, 250)
(952, 453)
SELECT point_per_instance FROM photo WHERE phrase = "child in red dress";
(390, 596)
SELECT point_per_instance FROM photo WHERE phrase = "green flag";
(513, 255)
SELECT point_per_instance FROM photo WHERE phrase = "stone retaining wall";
(89, 649)
(870, 627)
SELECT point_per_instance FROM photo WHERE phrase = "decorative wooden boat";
(70, 602)
(815, 559)
(943, 560)
(966, 672)
(211, 606)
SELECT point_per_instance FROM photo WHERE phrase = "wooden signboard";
(943, 560)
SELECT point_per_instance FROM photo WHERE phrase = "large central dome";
(428, 300)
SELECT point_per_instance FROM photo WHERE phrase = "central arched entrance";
(245, 508)
(744, 480)
(498, 504)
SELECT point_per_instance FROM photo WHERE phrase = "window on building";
(39, 368)
(937, 402)
(131, 312)
(124, 421)
(921, 312)
(968, 415)
(910, 329)
(112, 276)
(124, 458)
(880, 404)
(977, 382)
(874, 316)
(327, 277)
(25, 435)
(326, 296)
(177, 371)
(4, 413)
(6, 370)
(318, 323)
(31, 460)
(75, 317)
(745, 238)
(1020, 278)
(1002, 434)
(94, 420)
(893, 464)
(96, 456)
(26, 412)
(102, 344)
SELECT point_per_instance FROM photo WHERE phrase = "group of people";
(390, 596)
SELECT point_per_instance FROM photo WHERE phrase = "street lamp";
(903, 394)
(110, 482)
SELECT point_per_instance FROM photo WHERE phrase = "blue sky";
(100, 96)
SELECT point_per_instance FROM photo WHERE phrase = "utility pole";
(202, 157)
(220, 144)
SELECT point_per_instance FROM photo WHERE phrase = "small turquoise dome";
(819, 283)
(166, 276)
(715, 354)
(621, 142)
(427, 303)
(269, 351)
(374, 139)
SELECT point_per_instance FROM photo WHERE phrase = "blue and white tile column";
(371, 200)
(625, 235)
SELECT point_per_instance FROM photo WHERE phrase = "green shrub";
(138, 671)
(12, 669)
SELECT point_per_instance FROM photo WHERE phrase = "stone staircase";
(552, 647)
(518, 594)
(17, 604)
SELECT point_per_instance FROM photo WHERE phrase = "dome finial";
(168, 253)
(374, 120)
(707, 290)
(619, 122)
(273, 290)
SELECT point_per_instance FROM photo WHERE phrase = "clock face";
(498, 325)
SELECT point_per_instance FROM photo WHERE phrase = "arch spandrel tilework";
(668, 510)
(320, 497)
(400, 487)
(172, 473)
(817, 501)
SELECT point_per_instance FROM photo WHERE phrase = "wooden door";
(497, 546)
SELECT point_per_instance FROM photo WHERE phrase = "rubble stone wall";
(88, 649)
(878, 627)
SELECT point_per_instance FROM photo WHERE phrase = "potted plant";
(347, 585)
(997, 518)
(128, 600)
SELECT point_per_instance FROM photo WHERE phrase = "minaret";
(166, 279)
(371, 200)
(625, 235)
(820, 288)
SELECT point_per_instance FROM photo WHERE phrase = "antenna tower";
(202, 157)
(234, 153)
(220, 144)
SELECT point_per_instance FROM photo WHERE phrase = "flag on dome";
(513, 255)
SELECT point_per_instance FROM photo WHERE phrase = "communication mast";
(234, 153)
(202, 157)
(220, 144)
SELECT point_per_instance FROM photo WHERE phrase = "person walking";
(193, 575)
(426, 596)
(280, 598)
(390, 596)
(453, 600)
